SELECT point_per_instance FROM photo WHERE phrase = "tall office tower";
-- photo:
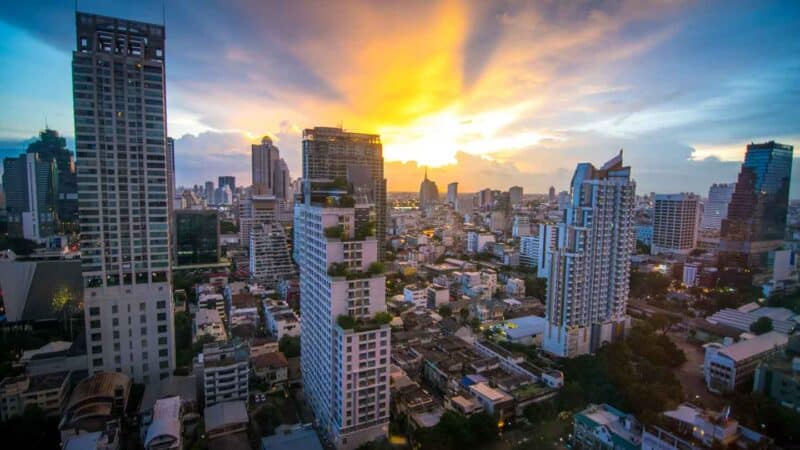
(265, 157)
(716, 208)
(52, 147)
(270, 258)
(756, 222)
(120, 137)
(31, 188)
(452, 194)
(346, 371)
(428, 192)
(253, 211)
(171, 195)
(333, 154)
(675, 224)
(485, 199)
(551, 194)
(515, 195)
(227, 180)
(281, 181)
(208, 192)
(589, 271)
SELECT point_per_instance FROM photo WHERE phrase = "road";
(690, 374)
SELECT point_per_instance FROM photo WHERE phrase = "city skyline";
(610, 58)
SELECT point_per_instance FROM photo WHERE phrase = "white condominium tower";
(675, 223)
(587, 280)
(345, 340)
(121, 144)
(270, 259)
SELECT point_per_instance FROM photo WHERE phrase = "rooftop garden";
(373, 323)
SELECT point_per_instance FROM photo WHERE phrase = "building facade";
(120, 138)
(270, 258)
(675, 224)
(31, 188)
(715, 209)
(196, 236)
(452, 194)
(589, 271)
(756, 222)
(346, 377)
(428, 192)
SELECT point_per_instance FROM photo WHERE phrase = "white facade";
(587, 285)
(281, 320)
(270, 261)
(416, 295)
(476, 241)
(515, 287)
(691, 271)
(521, 226)
(437, 296)
(346, 376)
(716, 207)
(727, 367)
(128, 305)
(675, 223)
(223, 372)
(528, 250)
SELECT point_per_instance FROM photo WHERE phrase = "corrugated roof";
(751, 347)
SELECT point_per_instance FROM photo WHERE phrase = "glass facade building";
(756, 222)
(196, 237)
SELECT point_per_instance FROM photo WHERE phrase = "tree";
(464, 314)
(762, 325)
(662, 322)
(445, 311)
(289, 346)
(535, 287)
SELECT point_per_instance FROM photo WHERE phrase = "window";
(94, 311)
(95, 324)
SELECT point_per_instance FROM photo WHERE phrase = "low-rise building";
(416, 295)
(605, 427)
(207, 322)
(222, 371)
(48, 392)
(437, 296)
(94, 403)
(273, 368)
(164, 431)
(727, 367)
(494, 401)
(281, 320)
(778, 377)
(226, 425)
(515, 287)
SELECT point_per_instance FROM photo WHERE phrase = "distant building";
(94, 402)
(727, 367)
(716, 207)
(165, 431)
(588, 273)
(644, 233)
(476, 241)
(428, 192)
(605, 427)
(196, 236)
(515, 195)
(437, 296)
(756, 222)
(418, 296)
(270, 258)
(31, 190)
(521, 226)
(528, 250)
(53, 148)
(452, 194)
(227, 180)
(675, 224)
(551, 194)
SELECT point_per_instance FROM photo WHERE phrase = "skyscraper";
(515, 195)
(716, 208)
(265, 158)
(270, 259)
(53, 148)
(227, 180)
(589, 268)
(428, 192)
(756, 222)
(31, 187)
(335, 155)
(675, 223)
(551, 194)
(346, 374)
(452, 194)
(120, 138)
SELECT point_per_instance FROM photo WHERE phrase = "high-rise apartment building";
(346, 373)
(333, 155)
(270, 259)
(716, 207)
(253, 211)
(121, 143)
(452, 194)
(428, 192)
(675, 224)
(589, 270)
(31, 189)
(515, 195)
(551, 194)
(196, 236)
(265, 157)
(756, 222)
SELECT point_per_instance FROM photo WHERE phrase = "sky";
(489, 94)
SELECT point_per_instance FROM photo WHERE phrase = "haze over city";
(421, 225)
(502, 92)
